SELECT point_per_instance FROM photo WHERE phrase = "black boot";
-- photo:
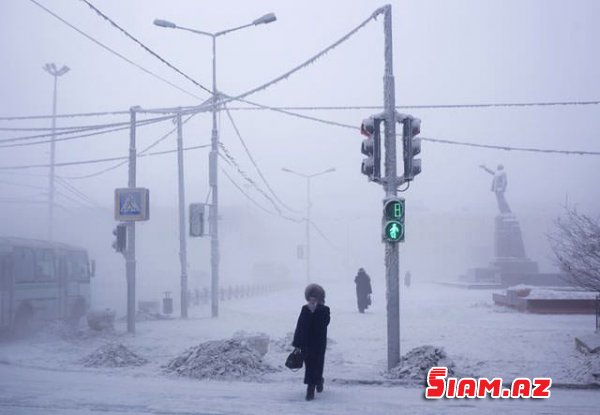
(310, 392)
(320, 386)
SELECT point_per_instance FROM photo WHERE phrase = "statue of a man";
(499, 184)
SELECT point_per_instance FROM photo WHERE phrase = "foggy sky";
(445, 52)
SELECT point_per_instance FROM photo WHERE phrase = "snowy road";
(44, 375)
(25, 391)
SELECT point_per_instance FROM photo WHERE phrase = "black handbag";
(294, 361)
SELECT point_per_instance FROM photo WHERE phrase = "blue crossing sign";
(132, 204)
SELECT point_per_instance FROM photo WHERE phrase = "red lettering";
(493, 387)
(466, 387)
(541, 388)
(521, 388)
(437, 383)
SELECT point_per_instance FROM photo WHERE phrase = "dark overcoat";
(363, 289)
(311, 337)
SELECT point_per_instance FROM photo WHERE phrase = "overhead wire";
(143, 151)
(255, 203)
(97, 160)
(229, 159)
(146, 48)
(123, 57)
(253, 161)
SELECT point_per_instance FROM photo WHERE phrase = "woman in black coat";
(311, 338)
(363, 290)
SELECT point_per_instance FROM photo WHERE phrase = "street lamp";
(213, 156)
(308, 177)
(56, 73)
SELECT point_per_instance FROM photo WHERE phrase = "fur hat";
(315, 290)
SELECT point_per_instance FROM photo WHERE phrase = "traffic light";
(412, 147)
(371, 147)
(196, 219)
(120, 242)
(393, 220)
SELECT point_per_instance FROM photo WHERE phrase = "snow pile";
(259, 342)
(551, 293)
(113, 355)
(283, 344)
(220, 359)
(416, 363)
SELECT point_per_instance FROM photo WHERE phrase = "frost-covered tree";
(576, 245)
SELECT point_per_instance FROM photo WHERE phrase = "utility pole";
(214, 206)
(308, 178)
(392, 256)
(52, 70)
(308, 206)
(130, 255)
(182, 234)
(214, 152)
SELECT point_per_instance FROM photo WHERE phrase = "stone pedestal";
(509, 249)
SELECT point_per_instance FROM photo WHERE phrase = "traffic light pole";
(392, 256)
(130, 255)
(182, 235)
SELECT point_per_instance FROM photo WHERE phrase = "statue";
(499, 183)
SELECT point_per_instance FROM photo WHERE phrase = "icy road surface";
(44, 375)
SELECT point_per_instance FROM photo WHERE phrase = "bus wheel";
(22, 323)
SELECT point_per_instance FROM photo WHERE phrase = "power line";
(144, 150)
(424, 106)
(309, 61)
(433, 140)
(100, 129)
(258, 170)
(255, 203)
(98, 160)
(322, 108)
(226, 155)
(73, 115)
(123, 57)
(146, 48)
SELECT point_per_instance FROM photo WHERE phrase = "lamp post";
(308, 178)
(213, 156)
(56, 73)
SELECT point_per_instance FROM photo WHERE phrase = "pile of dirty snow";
(113, 355)
(416, 363)
(283, 344)
(220, 359)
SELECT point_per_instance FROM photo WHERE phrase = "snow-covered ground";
(46, 375)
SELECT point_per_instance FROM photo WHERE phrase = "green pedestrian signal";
(393, 219)
(393, 231)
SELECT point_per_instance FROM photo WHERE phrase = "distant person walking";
(407, 278)
(310, 338)
(363, 290)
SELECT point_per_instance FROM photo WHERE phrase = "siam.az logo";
(441, 386)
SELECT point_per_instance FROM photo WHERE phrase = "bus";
(42, 281)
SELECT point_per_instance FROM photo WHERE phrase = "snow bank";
(113, 355)
(220, 359)
(416, 363)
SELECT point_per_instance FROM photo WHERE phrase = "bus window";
(77, 265)
(23, 265)
(44, 265)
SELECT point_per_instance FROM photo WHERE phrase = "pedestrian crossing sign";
(132, 204)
